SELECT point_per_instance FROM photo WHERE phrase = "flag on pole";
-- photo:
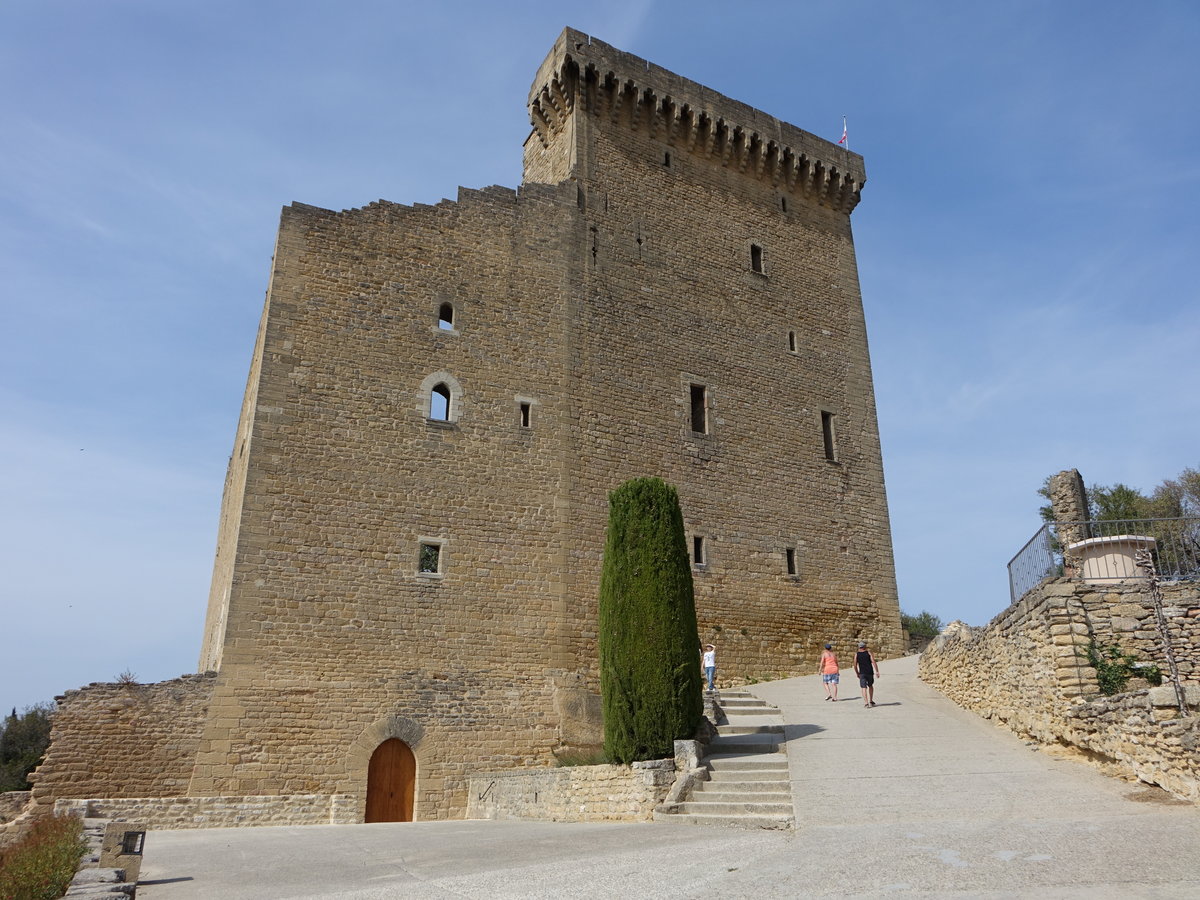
(843, 139)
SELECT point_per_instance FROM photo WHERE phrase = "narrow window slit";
(699, 409)
(828, 436)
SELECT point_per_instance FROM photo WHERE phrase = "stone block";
(1164, 695)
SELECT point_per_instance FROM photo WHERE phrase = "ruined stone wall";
(124, 740)
(603, 793)
(1028, 669)
(11, 804)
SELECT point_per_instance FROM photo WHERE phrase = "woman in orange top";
(829, 672)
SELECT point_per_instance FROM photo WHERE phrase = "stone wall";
(11, 804)
(220, 812)
(573, 793)
(124, 740)
(1028, 669)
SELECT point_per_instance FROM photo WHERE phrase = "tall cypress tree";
(649, 667)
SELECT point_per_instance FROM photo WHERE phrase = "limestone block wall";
(124, 740)
(11, 804)
(1028, 669)
(574, 793)
(221, 812)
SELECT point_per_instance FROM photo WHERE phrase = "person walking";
(710, 665)
(828, 668)
(867, 671)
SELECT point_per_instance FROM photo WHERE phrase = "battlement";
(584, 73)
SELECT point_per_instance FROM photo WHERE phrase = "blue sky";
(1027, 243)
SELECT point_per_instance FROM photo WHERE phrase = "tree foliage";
(23, 742)
(649, 670)
(1173, 498)
(925, 624)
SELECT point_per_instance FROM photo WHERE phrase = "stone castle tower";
(441, 398)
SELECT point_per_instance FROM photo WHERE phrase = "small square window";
(430, 560)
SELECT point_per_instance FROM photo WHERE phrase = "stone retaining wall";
(220, 812)
(1028, 669)
(604, 793)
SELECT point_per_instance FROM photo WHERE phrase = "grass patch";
(41, 865)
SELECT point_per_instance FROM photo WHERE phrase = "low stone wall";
(220, 812)
(604, 793)
(124, 740)
(1028, 669)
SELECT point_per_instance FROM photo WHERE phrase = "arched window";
(446, 317)
(439, 402)
(440, 397)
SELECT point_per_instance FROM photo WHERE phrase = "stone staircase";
(748, 770)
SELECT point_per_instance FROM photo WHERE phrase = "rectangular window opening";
(525, 413)
(756, 258)
(697, 550)
(792, 341)
(790, 558)
(430, 562)
(829, 437)
(667, 159)
(699, 409)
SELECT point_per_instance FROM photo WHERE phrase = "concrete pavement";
(914, 796)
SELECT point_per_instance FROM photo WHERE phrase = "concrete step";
(736, 808)
(776, 822)
(728, 702)
(748, 728)
(777, 797)
(745, 786)
(754, 744)
(747, 762)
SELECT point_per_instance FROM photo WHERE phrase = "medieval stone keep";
(441, 398)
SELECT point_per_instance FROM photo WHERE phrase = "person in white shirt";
(710, 664)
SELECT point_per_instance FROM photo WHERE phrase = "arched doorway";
(391, 778)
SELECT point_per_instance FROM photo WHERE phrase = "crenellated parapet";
(584, 74)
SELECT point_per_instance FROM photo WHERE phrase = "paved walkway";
(912, 797)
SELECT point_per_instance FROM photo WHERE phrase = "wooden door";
(391, 778)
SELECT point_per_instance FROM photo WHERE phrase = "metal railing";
(1102, 552)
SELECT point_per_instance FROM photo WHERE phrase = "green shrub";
(649, 666)
(925, 624)
(1114, 667)
(41, 865)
